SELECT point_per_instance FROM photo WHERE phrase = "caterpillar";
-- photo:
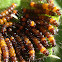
(4, 49)
(11, 50)
(7, 11)
(29, 46)
(46, 6)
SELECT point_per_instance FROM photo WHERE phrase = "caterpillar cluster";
(19, 39)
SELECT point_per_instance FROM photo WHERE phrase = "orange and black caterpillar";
(30, 48)
(46, 6)
(4, 48)
(7, 11)
(11, 50)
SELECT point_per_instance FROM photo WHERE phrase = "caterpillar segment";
(11, 50)
(4, 48)
(8, 11)
(46, 6)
